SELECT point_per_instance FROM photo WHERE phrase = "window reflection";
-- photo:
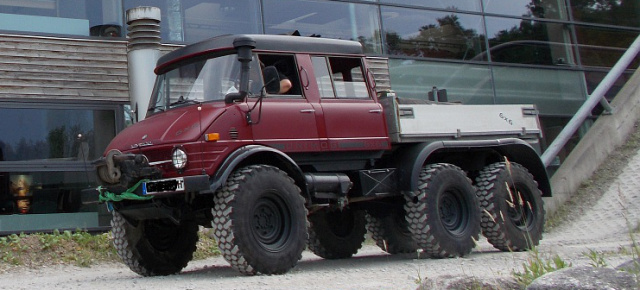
(601, 47)
(69, 17)
(50, 134)
(433, 34)
(528, 42)
(614, 12)
(555, 92)
(468, 5)
(551, 9)
(465, 83)
(349, 21)
(195, 20)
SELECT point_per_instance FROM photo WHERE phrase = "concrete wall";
(608, 133)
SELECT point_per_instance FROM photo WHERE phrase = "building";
(64, 80)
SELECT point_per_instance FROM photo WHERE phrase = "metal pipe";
(144, 51)
(590, 103)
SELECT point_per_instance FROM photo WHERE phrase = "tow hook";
(111, 173)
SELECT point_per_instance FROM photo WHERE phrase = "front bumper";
(149, 188)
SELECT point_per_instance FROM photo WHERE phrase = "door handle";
(307, 111)
(375, 111)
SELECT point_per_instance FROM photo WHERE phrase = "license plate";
(163, 185)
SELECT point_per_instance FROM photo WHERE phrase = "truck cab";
(281, 142)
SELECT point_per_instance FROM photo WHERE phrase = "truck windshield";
(202, 81)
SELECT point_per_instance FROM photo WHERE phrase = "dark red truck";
(273, 172)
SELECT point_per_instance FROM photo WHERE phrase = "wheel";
(391, 232)
(154, 247)
(444, 218)
(336, 234)
(260, 220)
(514, 214)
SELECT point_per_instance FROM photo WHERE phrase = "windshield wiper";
(183, 100)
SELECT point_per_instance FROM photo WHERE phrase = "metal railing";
(596, 97)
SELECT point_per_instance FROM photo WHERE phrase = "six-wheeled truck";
(281, 142)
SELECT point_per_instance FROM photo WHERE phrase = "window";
(31, 201)
(468, 5)
(622, 12)
(529, 42)
(287, 73)
(550, 9)
(54, 134)
(346, 74)
(190, 21)
(329, 19)
(465, 83)
(433, 34)
(68, 17)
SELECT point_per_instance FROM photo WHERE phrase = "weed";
(537, 266)
(597, 259)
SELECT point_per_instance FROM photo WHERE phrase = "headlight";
(179, 158)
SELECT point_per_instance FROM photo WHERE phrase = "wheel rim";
(520, 211)
(453, 212)
(271, 222)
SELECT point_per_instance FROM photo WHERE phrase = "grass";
(78, 248)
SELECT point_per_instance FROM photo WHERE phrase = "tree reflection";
(447, 39)
(614, 12)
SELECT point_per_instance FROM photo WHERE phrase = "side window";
(287, 72)
(348, 78)
(323, 77)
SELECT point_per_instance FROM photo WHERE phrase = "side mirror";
(233, 97)
(271, 80)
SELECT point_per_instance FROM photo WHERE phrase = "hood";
(179, 125)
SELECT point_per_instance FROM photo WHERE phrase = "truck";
(285, 143)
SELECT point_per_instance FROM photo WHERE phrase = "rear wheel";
(445, 217)
(336, 234)
(513, 206)
(260, 220)
(391, 232)
(154, 247)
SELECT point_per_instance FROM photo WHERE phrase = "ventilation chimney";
(142, 55)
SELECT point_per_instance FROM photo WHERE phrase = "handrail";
(595, 97)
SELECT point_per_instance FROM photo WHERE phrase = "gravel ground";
(601, 225)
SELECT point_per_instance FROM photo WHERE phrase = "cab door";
(285, 121)
(353, 120)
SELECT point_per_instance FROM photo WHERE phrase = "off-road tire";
(154, 247)
(444, 218)
(513, 216)
(336, 234)
(260, 221)
(391, 232)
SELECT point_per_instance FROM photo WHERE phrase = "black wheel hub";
(453, 212)
(271, 223)
(520, 211)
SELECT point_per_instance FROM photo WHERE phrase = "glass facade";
(552, 53)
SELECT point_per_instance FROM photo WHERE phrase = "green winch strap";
(106, 196)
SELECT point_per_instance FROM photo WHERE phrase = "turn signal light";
(212, 137)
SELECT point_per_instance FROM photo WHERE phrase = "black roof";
(263, 42)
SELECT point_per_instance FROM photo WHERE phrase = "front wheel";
(512, 202)
(444, 217)
(260, 220)
(154, 247)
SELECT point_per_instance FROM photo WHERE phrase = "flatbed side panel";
(414, 122)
